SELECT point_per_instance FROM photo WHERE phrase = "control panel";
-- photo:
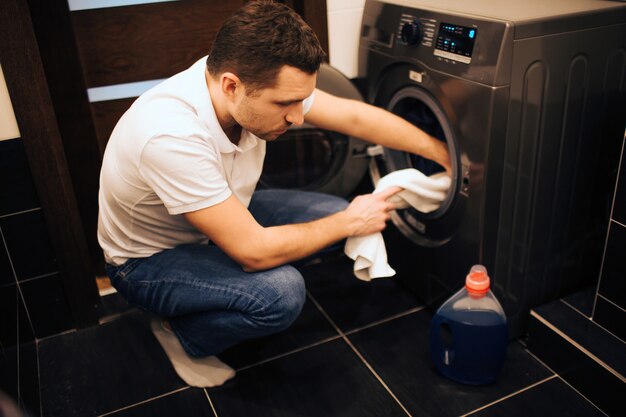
(471, 47)
(450, 41)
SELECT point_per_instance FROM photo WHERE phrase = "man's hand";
(369, 213)
(375, 125)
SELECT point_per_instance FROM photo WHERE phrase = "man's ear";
(230, 85)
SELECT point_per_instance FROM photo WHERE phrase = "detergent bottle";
(469, 334)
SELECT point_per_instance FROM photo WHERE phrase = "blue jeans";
(209, 301)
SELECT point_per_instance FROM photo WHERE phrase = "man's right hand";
(369, 213)
(231, 227)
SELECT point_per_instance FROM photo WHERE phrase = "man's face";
(269, 112)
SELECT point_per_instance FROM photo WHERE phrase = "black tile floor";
(358, 349)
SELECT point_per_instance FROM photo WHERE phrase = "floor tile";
(352, 303)
(597, 382)
(398, 351)
(309, 328)
(190, 402)
(584, 331)
(104, 368)
(550, 398)
(325, 380)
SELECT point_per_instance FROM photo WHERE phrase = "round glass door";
(417, 106)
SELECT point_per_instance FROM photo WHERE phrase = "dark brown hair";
(259, 39)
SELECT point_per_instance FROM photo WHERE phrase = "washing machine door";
(313, 159)
(417, 103)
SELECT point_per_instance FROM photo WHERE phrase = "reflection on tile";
(111, 305)
(190, 402)
(612, 318)
(8, 316)
(582, 300)
(8, 372)
(619, 206)
(47, 305)
(612, 282)
(352, 303)
(588, 377)
(14, 323)
(104, 368)
(399, 353)
(29, 378)
(17, 189)
(550, 398)
(27, 241)
(325, 380)
(6, 272)
(309, 328)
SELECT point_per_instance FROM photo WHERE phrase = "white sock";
(197, 372)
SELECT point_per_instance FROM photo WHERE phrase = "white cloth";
(168, 155)
(423, 193)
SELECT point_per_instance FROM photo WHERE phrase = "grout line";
(20, 295)
(598, 295)
(145, 401)
(282, 355)
(345, 338)
(575, 309)
(20, 212)
(535, 357)
(39, 377)
(513, 394)
(385, 320)
(612, 302)
(590, 318)
(49, 274)
(208, 397)
(577, 345)
(563, 380)
(581, 394)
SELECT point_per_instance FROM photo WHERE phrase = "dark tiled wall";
(32, 299)
(610, 303)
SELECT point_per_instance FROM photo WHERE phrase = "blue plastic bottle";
(468, 334)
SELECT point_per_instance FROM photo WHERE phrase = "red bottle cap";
(477, 281)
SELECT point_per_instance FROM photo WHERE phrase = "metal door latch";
(369, 152)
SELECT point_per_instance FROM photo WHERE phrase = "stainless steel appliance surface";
(530, 98)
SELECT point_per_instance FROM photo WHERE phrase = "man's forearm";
(278, 245)
(384, 128)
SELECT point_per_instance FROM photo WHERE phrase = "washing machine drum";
(313, 159)
(418, 107)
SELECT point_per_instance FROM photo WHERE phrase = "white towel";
(423, 193)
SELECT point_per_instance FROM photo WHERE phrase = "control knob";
(411, 33)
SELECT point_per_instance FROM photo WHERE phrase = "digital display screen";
(456, 42)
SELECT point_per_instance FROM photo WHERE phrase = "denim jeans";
(209, 301)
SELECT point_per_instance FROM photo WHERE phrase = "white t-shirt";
(167, 156)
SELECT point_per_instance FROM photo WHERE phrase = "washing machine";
(529, 97)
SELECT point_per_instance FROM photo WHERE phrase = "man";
(180, 170)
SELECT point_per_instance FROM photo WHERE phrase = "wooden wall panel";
(147, 41)
(61, 64)
(36, 118)
(105, 116)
